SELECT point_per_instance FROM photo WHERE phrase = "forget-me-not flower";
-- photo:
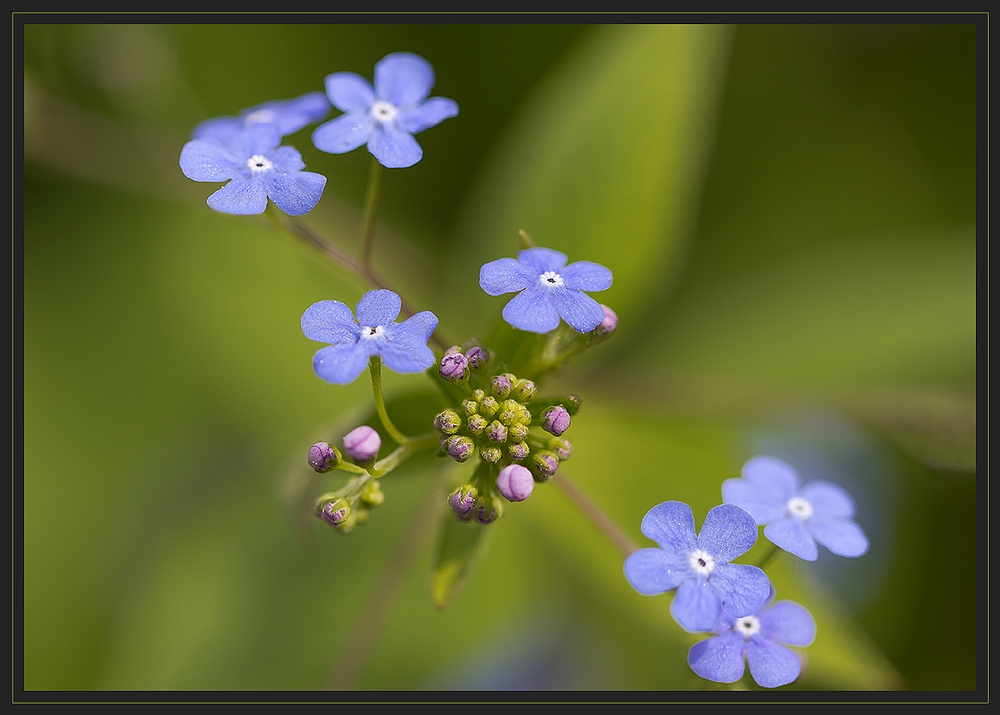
(289, 115)
(794, 518)
(697, 565)
(548, 289)
(386, 116)
(256, 169)
(763, 639)
(401, 346)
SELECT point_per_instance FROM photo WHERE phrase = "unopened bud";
(323, 457)
(489, 406)
(477, 423)
(518, 450)
(477, 357)
(608, 325)
(509, 412)
(562, 447)
(470, 407)
(463, 501)
(524, 390)
(515, 482)
(372, 494)
(454, 367)
(555, 420)
(544, 464)
(362, 444)
(501, 385)
(448, 422)
(517, 432)
(335, 513)
(491, 454)
(488, 510)
(460, 448)
(496, 432)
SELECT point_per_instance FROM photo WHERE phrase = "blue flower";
(289, 115)
(698, 565)
(401, 346)
(761, 638)
(549, 289)
(796, 519)
(386, 117)
(256, 169)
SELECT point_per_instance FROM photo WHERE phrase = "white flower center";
(259, 163)
(702, 562)
(260, 116)
(747, 626)
(383, 111)
(551, 279)
(797, 506)
(370, 333)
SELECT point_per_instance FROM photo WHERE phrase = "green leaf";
(459, 546)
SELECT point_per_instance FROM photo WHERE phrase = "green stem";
(404, 452)
(375, 367)
(371, 209)
(591, 510)
(768, 556)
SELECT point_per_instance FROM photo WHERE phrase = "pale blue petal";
(285, 159)
(296, 193)
(771, 664)
(532, 310)
(394, 149)
(255, 139)
(403, 79)
(671, 525)
(788, 622)
(742, 588)
(539, 260)
(759, 502)
(221, 128)
(343, 134)
(828, 499)
(341, 364)
(696, 606)
(209, 160)
(242, 197)
(773, 475)
(329, 321)
(844, 538)
(432, 112)
(293, 114)
(719, 658)
(792, 535)
(577, 308)
(652, 572)
(504, 275)
(378, 307)
(349, 92)
(405, 348)
(588, 276)
(728, 532)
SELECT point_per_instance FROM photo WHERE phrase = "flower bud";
(489, 406)
(477, 423)
(509, 412)
(518, 450)
(454, 367)
(555, 420)
(372, 494)
(448, 422)
(544, 464)
(515, 482)
(488, 510)
(608, 325)
(501, 385)
(496, 432)
(460, 448)
(463, 501)
(517, 432)
(477, 357)
(562, 447)
(335, 513)
(491, 454)
(524, 390)
(362, 444)
(323, 457)
(470, 407)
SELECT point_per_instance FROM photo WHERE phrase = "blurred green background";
(789, 211)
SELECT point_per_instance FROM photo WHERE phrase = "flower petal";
(761, 503)
(289, 115)
(828, 499)
(653, 571)
(539, 260)
(432, 112)
(405, 348)
(788, 622)
(532, 310)
(771, 664)
(329, 321)
(773, 475)
(671, 525)
(349, 92)
(728, 532)
(343, 134)
(844, 538)
(255, 139)
(719, 658)
(792, 536)
(378, 307)
(342, 363)
(578, 309)
(504, 275)
(209, 160)
(394, 148)
(296, 193)
(586, 276)
(403, 79)
(221, 128)
(696, 606)
(742, 588)
(285, 159)
(241, 197)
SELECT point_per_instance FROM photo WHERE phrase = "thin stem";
(404, 452)
(590, 510)
(766, 559)
(375, 368)
(371, 209)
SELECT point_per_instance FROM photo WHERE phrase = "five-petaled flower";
(697, 565)
(794, 518)
(548, 289)
(387, 115)
(401, 346)
(289, 115)
(256, 169)
(762, 638)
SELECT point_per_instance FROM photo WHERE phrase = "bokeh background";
(790, 214)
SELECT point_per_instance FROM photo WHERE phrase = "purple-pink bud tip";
(362, 444)
(555, 420)
(323, 457)
(515, 482)
(454, 367)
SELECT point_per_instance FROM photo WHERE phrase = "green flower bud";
(501, 385)
(543, 464)
(518, 451)
(517, 432)
(448, 422)
(478, 395)
(471, 407)
(335, 513)
(496, 432)
(491, 454)
(477, 423)
(489, 406)
(372, 494)
(524, 390)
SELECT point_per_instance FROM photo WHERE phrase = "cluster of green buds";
(516, 435)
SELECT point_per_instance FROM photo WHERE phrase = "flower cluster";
(734, 601)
